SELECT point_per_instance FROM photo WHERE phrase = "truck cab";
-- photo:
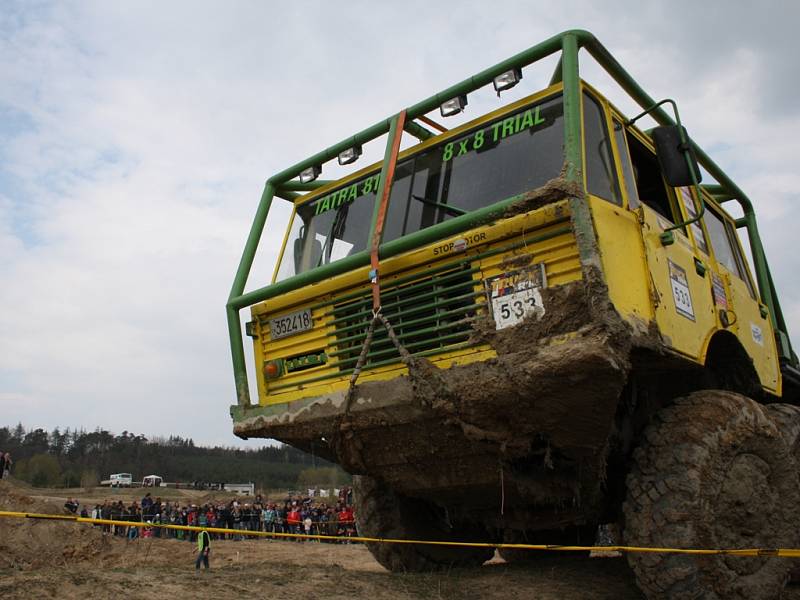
(120, 480)
(491, 327)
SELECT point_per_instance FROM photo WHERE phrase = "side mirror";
(672, 158)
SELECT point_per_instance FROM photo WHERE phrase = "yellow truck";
(530, 324)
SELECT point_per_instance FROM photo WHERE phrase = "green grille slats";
(437, 303)
(382, 339)
(430, 312)
(421, 321)
(366, 301)
(459, 264)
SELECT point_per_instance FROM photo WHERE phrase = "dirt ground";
(44, 559)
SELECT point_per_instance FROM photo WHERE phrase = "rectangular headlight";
(350, 155)
(453, 106)
(310, 174)
(507, 80)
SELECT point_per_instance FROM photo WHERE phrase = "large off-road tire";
(712, 471)
(583, 535)
(787, 418)
(382, 513)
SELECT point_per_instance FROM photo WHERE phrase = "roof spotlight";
(507, 80)
(350, 155)
(310, 174)
(453, 106)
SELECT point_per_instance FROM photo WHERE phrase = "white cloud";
(135, 140)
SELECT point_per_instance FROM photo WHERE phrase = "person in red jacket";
(346, 521)
(293, 520)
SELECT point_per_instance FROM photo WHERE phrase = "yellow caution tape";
(782, 552)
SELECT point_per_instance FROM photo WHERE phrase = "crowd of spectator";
(295, 514)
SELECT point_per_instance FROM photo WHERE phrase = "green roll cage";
(568, 43)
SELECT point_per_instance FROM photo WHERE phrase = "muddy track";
(77, 562)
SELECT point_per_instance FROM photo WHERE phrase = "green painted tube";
(762, 270)
(256, 229)
(722, 198)
(573, 154)
(237, 355)
(290, 196)
(418, 131)
(245, 264)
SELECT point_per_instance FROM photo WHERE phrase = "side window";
(627, 167)
(649, 183)
(688, 202)
(740, 258)
(721, 242)
(601, 177)
(726, 248)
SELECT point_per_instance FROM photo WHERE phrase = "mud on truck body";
(528, 325)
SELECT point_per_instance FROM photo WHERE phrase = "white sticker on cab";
(757, 333)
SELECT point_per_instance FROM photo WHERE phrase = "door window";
(726, 248)
(688, 203)
(601, 176)
(721, 243)
(627, 167)
(649, 182)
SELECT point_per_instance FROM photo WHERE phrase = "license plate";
(517, 296)
(286, 325)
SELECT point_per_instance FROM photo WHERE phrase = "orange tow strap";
(384, 203)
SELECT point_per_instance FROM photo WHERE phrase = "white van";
(121, 480)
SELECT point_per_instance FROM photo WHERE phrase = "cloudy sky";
(135, 138)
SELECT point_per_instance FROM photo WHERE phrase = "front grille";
(429, 313)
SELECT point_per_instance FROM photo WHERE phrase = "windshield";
(490, 162)
(330, 227)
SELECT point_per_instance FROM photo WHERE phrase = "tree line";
(77, 458)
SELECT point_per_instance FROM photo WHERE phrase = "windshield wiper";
(335, 231)
(453, 210)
